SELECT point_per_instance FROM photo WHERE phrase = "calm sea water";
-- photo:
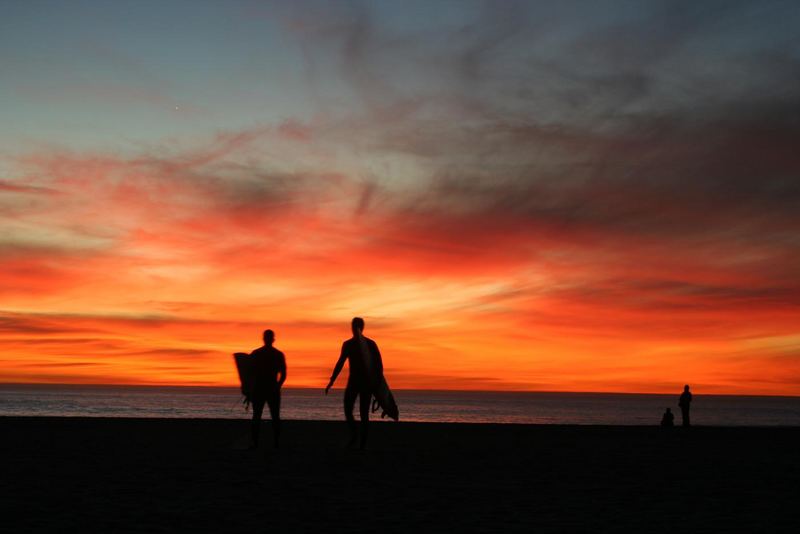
(430, 406)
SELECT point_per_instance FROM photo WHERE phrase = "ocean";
(415, 405)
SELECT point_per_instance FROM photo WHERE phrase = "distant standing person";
(684, 402)
(366, 371)
(269, 370)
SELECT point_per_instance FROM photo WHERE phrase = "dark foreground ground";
(151, 475)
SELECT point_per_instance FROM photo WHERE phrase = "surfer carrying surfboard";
(366, 372)
(268, 368)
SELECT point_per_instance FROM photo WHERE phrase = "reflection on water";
(428, 406)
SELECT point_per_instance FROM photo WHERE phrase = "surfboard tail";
(384, 400)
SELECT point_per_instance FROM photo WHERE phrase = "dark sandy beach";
(156, 475)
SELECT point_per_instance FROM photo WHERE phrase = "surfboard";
(384, 400)
(244, 366)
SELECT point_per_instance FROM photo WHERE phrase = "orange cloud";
(153, 269)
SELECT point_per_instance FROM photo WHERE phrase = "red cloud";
(457, 276)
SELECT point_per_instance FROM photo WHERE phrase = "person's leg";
(349, 403)
(365, 399)
(274, 402)
(684, 416)
(255, 429)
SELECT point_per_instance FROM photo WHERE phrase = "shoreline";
(378, 420)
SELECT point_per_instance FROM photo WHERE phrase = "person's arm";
(337, 369)
(282, 369)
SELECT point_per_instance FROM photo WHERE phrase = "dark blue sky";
(105, 74)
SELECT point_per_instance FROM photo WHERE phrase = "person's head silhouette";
(357, 325)
(269, 337)
(686, 387)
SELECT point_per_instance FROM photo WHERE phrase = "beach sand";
(162, 475)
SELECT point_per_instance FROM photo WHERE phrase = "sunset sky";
(582, 196)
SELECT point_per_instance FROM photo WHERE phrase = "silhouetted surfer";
(366, 370)
(269, 374)
(684, 402)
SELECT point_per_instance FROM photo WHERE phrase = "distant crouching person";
(668, 419)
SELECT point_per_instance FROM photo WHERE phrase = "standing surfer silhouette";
(366, 371)
(269, 374)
